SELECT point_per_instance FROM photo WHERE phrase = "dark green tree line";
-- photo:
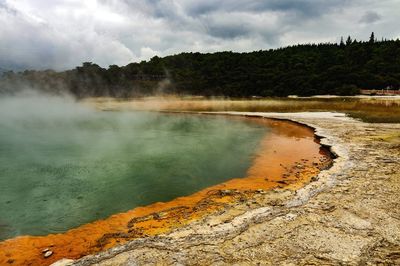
(309, 69)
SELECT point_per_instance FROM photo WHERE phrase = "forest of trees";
(307, 69)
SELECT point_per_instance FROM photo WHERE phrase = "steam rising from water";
(63, 164)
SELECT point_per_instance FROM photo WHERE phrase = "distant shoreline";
(377, 109)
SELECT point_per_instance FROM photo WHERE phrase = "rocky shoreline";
(350, 213)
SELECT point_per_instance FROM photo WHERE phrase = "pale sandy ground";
(349, 215)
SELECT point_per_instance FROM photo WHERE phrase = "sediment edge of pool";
(275, 202)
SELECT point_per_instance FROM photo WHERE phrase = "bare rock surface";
(350, 214)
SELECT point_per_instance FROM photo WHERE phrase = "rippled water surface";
(63, 165)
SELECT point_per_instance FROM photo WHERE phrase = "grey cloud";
(303, 7)
(243, 26)
(6, 8)
(370, 17)
(61, 34)
(228, 31)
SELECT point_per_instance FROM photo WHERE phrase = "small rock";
(329, 208)
(45, 250)
(48, 254)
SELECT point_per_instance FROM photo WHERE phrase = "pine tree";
(348, 41)
(372, 38)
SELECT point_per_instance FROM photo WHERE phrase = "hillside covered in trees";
(307, 69)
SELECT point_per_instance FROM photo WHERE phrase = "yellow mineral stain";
(288, 157)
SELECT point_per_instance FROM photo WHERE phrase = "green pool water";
(63, 165)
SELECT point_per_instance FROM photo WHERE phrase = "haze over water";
(63, 165)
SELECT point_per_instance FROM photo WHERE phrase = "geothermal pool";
(63, 165)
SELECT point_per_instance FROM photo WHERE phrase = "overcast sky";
(61, 34)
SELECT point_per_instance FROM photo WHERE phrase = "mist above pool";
(63, 165)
